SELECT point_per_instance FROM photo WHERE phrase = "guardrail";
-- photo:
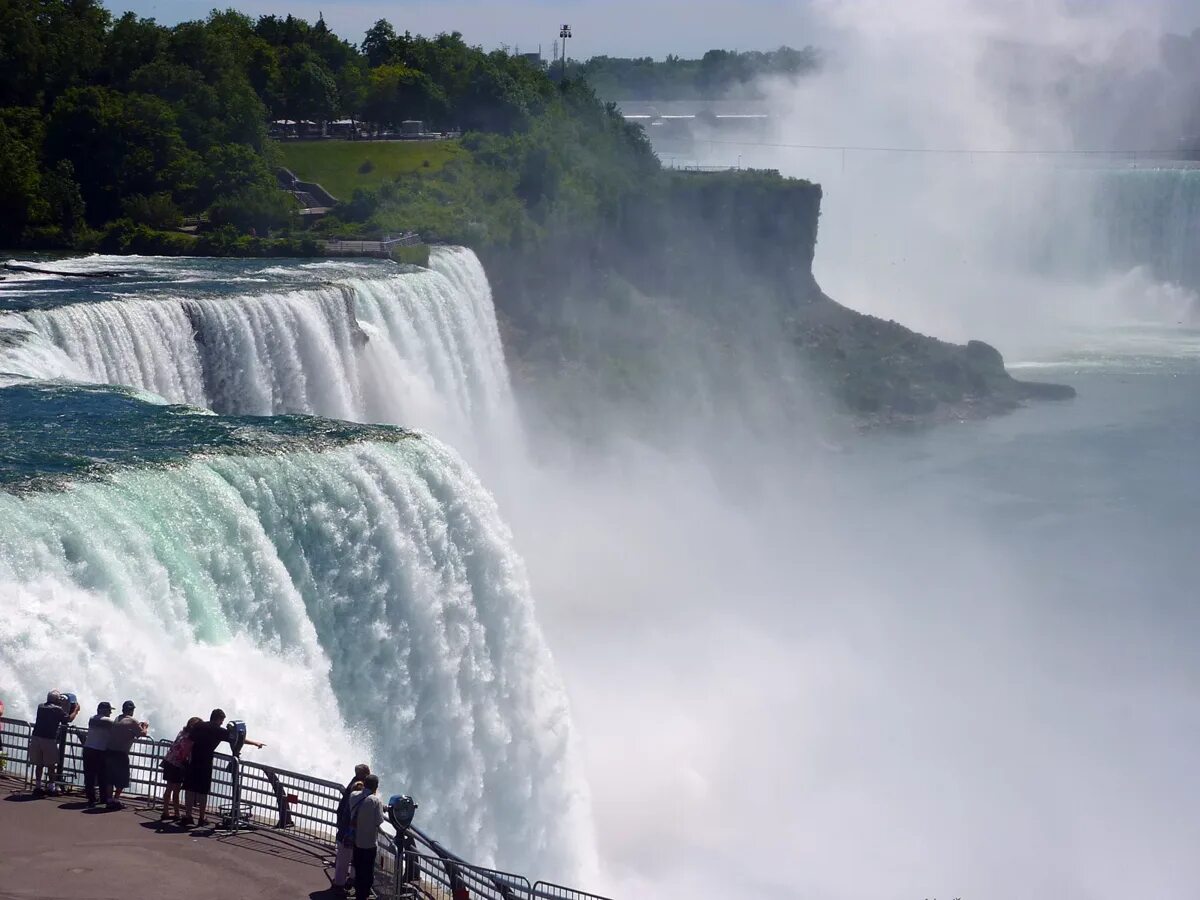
(250, 795)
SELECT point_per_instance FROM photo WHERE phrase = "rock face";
(887, 373)
(736, 247)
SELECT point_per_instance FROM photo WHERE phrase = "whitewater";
(365, 342)
(352, 592)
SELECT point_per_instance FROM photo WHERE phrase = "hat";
(127, 706)
(104, 707)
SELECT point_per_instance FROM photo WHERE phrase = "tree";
(63, 202)
(309, 90)
(20, 185)
(379, 45)
(395, 93)
(230, 169)
(118, 144)
(131, 44)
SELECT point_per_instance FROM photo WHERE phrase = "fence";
(251, 795)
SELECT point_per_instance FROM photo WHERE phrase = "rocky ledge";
(887, 375)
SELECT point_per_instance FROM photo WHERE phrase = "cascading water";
(350, 591)
(351, 597)
(363, 343)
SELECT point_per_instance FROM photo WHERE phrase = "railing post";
(281, 805)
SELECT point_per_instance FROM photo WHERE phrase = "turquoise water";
(348, 588)
(52, 434)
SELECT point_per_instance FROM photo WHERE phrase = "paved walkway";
(54, 848)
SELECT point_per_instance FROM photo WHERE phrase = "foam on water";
(361, 602)
(419, 348)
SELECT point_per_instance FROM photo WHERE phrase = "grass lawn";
(335, 164)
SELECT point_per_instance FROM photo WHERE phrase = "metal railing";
(250, 795)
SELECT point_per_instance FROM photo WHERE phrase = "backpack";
(181, 751)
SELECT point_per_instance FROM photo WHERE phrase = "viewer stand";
(237, 816)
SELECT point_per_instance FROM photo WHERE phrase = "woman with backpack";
(174, 767)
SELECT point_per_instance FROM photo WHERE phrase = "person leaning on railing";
(95, 747)
(124, 732)
(52, 717)
(174, 767)
(206, 737)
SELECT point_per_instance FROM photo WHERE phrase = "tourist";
(43, 742)
(206, 737)
(70, 706)
(124, 732)
(365, 815)
(94, 752)
(345, 843)
(174, 767)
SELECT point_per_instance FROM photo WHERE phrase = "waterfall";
(357, 602)
(419, 348)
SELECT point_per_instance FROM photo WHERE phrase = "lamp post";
(564, 33)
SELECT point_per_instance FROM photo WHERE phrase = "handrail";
(303, 806)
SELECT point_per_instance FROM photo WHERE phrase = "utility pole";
(564, 33)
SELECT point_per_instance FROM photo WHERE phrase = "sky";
(612, 27)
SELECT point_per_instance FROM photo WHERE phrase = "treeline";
(125, 121)
(717, 74)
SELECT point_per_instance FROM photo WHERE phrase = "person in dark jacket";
(43, 742)
(197, 781)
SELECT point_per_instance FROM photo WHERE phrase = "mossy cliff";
(725, 254)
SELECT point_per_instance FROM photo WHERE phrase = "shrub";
(368, 167)
(156, 210)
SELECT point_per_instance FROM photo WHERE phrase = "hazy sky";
(615, 27)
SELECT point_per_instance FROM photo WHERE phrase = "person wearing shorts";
(43, 743)
(121, 738)
(175, 766)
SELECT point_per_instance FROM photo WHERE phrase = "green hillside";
(341, 167)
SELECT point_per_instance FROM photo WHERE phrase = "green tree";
(395, 93)
(62, 199)
(20, 185)
(118, 144)
(379, 45)
(309, 90)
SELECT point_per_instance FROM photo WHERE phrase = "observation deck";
(54, 847)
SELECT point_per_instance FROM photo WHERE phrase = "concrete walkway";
(54, 848)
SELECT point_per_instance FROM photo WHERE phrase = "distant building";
(535, 60)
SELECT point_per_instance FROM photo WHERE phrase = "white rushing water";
(360, 602)
(420, 349)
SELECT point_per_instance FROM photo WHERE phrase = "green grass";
(336, 165)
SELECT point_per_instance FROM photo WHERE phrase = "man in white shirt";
(365, 816)
(94, 747)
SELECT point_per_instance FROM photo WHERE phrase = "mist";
(815, 664)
